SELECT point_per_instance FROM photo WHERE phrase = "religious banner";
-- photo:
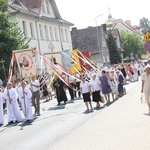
(52, 58)
(75, 65)
(25, 62)
(86, 55)
(66, 60)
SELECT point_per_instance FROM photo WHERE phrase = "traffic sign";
(147, 45)
(146, 37)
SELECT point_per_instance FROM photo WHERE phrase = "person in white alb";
(86, 91)
(95, 88)
(13, 111)
(1, 108)
(35, 88)
(25, 96)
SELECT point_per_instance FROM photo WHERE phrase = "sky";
(83, 13)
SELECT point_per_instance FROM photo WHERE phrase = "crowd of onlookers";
(98, 85)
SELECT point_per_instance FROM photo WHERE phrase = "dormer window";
(47, 7)
(43, 7)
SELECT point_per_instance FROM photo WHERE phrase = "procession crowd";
(97, 85)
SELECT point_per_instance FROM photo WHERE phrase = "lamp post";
(98, 39)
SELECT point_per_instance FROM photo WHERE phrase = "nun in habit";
(25, 100)
(13, 111)
(1, 107)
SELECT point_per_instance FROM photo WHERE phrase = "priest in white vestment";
(13, 111)
(25, 96)
(1, 107)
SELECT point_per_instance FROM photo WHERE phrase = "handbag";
(102, 100)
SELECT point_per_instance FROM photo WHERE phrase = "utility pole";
(2, 62)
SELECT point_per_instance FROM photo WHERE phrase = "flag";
(25, 62)
(75, 65)
(65, 59)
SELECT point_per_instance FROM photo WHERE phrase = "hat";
(147, 66)
(93, 74)
(9, 83)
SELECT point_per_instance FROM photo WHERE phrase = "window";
(51, 33)
(43, 7)
(32, 30)
(104, 44)
(41, 31)
(66, 34)
(46, 32)
(24, 25)
(47, 7)
(62, 34)
(56, 33)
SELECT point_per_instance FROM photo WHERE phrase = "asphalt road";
(54, 123)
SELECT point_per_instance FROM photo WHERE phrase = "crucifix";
(2, 62)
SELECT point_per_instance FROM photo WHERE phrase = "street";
(57, 122)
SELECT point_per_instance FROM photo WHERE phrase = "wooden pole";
(2, 62)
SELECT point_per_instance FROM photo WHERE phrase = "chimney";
(74, 31)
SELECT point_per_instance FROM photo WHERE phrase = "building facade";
(41, 22)
(91, 39)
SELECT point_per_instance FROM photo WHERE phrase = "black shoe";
(28, 121)
(58, 104)
(11, 122)
(38, 114)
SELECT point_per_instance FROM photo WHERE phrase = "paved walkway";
(124, 125)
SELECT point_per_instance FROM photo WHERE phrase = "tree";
(11, 37)
(132, 42)
(115, 57)
(145, 25)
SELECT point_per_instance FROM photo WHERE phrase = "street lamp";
(98, 40)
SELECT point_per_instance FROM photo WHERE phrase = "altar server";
(13, 111)
(25, 96)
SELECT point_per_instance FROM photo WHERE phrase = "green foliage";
(115, 57)
(132, 43)
(11, 37)
(145, 25)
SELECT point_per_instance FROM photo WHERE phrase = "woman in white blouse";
(85, 89)
(146, 85)
(95, 87)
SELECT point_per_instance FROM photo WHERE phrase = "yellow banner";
(75, 65)
(25, 62)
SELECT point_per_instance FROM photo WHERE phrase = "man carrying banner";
(25, 100)
(35, 88)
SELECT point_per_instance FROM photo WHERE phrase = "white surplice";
(25, 99)
(1, 109)
(13, 109)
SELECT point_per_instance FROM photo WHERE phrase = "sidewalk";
(123, 125)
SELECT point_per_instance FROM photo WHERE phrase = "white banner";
(25, 62)
(52, 58)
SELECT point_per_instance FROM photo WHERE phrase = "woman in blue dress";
(106, 89)
(120, 83)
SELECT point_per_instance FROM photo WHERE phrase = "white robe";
(1, 109)
(26, 103)
(13, 110)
